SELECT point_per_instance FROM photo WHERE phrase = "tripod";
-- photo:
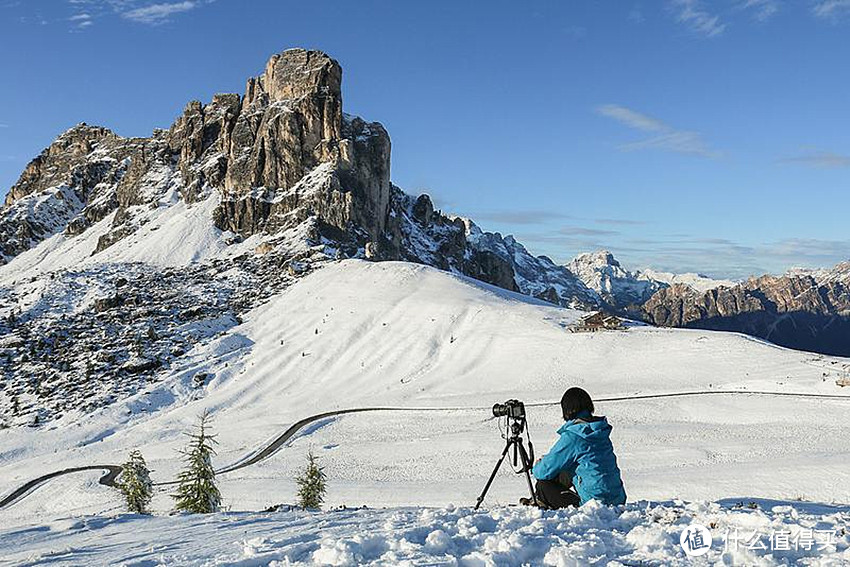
(514, 440)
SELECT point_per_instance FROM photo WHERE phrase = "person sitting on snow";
(581, 465)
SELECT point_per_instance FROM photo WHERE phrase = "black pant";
(556, 493)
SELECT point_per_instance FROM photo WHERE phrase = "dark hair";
(574, 402)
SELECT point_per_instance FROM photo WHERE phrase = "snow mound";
(644, 533)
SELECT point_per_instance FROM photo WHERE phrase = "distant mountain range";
(281, 171)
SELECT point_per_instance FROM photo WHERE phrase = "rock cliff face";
(798, 311)
(85, 175)
(280, 156)
(803, 309)
(284, 152)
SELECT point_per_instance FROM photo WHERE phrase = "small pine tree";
(197, 492)
(135, 483)
(311, 484)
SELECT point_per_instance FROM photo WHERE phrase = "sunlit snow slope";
(356, 334)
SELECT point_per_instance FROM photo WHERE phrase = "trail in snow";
(106, 480)
(268, 450)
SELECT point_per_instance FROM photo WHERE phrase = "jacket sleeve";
(562, 457)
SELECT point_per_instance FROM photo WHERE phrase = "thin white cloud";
(692, 14)
(585, 231)
(150, 12)
(82, 20)
(516, 216)
(820, 159)
(620, 222)
(679, 142)
(832, 9)
(664, 137)
(159, 13)
(632, 118)
(763, 10)
(4, 125)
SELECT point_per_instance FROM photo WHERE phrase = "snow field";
(358, 334)
(641, 533)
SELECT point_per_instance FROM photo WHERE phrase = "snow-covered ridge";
(537, 276)
(838, 274)
(699, 282)
(621, 288)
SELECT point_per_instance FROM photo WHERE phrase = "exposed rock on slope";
(536, 275)
(798, 311)
(285, 152)
(804, 309)
(81, 178)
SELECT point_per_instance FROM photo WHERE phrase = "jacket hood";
(592, 427)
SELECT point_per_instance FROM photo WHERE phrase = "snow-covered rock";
(619, 288)
(699, 282)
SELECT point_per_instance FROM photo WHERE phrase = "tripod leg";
(526, 465)
(492, 476)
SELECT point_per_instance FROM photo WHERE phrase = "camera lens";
(500, 410)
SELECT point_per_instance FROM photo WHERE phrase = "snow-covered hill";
(356, 333)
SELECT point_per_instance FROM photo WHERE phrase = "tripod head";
(516, 425)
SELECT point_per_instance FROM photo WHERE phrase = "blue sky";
(685, 135)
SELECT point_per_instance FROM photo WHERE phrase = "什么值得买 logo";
(695, 540)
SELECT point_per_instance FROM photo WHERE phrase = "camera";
(514, 409)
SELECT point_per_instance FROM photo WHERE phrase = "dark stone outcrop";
(797, 311)
(64, 163)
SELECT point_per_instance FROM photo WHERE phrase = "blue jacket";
(585, 453)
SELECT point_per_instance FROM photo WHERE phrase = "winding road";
(112, 471)
(108, 479)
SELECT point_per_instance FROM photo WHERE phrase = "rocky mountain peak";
(619, 288)
(839, 273)
(296, 73)
(54, 166)
(597, 259)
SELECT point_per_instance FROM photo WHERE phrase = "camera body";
(513, 409)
